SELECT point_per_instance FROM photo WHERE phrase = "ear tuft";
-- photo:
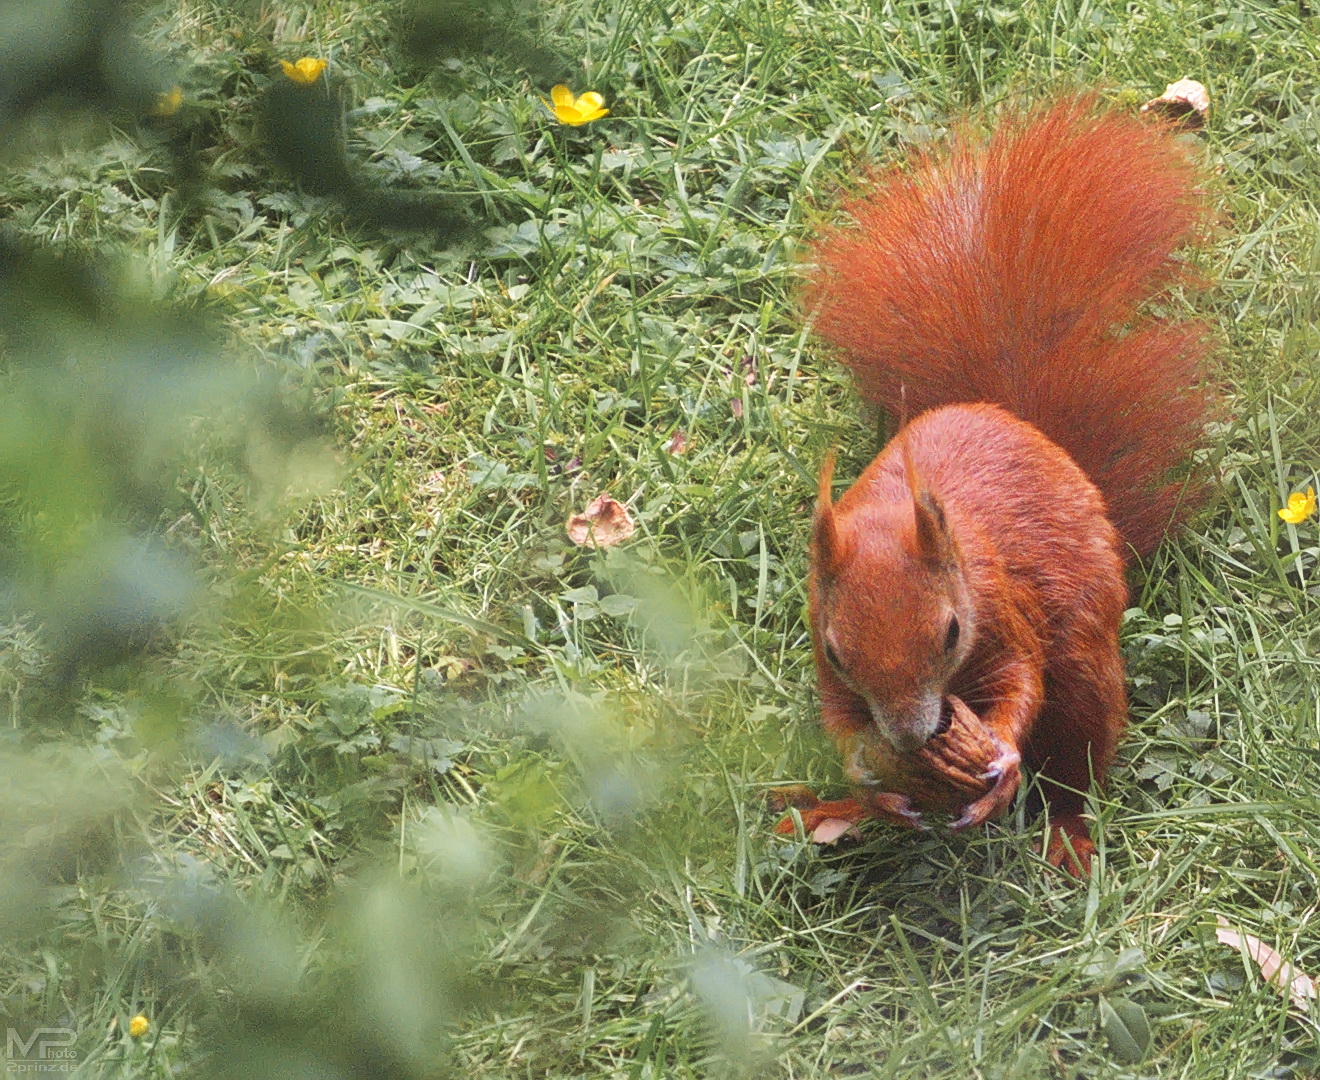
(932, 540)
(826, 552)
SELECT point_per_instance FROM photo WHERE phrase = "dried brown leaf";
(1299, 986)
(603, 523)
(749, 369)
(1186, 100)
(832, 830)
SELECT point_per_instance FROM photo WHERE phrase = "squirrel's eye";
(951, 634)
(832, 658)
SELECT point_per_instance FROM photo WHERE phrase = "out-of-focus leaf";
(1126, 1027)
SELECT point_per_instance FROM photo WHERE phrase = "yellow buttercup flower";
(575, 111)
(168, 104)
(1299, 508)
(305, 71)
(137, 1027)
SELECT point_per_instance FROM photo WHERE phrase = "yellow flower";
(168, 104)
(305, 71)
(137, 1027)
(1299, 508)
(575, 111)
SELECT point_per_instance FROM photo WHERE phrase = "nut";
(946, 773)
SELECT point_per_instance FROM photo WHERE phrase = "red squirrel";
(992, 291)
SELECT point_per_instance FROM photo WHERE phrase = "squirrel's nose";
(910, 730)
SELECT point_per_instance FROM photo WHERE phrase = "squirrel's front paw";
(815, 813)
(823, 822)
(1005, 772)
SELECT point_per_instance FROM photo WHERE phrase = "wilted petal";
(603, 523)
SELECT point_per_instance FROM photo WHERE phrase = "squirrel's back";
(1012, 271)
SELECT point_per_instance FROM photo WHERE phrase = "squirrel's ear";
(934, 542)
(826, 548)
(931, 536)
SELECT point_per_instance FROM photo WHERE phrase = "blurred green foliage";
(131, 420)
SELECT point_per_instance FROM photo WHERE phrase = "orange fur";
(993, 289)
(1011, 272)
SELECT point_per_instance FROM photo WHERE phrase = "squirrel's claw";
(896, 809)
(1006, 773)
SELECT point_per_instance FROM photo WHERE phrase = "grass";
(421, 680)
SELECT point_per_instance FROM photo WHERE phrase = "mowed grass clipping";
(432, 649)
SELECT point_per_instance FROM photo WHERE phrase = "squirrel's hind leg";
(1071, 746)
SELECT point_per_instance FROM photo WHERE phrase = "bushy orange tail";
(1011, 271)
